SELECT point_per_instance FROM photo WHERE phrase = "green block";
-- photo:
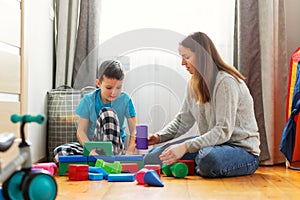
(63, 167)
(105, 148)
(111, 168)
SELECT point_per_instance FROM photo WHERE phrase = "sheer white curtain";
(154, 76)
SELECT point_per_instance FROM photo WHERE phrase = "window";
(144, 35)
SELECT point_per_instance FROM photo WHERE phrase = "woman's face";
(188, 59)
(110, 89)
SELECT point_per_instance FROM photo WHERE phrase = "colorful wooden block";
(191, 166)
(72, 158)
(130, 167)
(157, 168)
(103, 148)
(51, 167)
(105, 158)
(111, 168)
(140, 163)
(95, 176)
(151, 178)
(99, 171)
(140, 176)
(78, 172)
(63, 167)
(128, 157)
(127, 177)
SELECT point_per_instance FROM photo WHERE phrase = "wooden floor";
(268, 182)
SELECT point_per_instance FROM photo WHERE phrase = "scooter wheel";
(39, 186)
(12, 186)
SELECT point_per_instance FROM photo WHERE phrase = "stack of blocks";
(114, 168)
(107, 166)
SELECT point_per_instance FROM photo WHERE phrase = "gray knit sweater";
(227, 118)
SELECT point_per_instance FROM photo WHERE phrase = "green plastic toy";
(178, 170)
(111, 168)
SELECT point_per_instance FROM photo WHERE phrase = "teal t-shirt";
(91, 104)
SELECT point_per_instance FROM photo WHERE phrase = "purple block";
(142, 137)
(129, 157)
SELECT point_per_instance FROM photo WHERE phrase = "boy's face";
(110, 89)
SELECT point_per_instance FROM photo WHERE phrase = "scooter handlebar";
(15, 118)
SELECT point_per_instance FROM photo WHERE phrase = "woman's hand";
(173, 153)
(153, 139)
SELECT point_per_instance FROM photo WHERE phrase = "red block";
(78, 172)
(130, 167)
(139, 177)
(191, 166)
(154, 167)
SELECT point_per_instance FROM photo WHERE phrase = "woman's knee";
(207, 166)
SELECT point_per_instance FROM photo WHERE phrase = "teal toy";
(18, 179)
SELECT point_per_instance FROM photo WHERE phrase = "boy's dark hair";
(111, 69)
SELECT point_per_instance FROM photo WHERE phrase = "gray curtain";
(260, 54)
(66, 22)
(86, 54)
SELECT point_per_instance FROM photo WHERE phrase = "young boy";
(102, 114)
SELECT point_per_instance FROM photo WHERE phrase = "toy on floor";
(141, 137)
(178, 170)
(24, 183)
(111, 168)
(148, 177)
(51, 167)
(79, 172)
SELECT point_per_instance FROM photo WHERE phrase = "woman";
(219, 102)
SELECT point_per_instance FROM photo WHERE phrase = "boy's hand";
(153, 139)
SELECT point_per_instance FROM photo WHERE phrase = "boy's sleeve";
(83, 108)
(130, 109)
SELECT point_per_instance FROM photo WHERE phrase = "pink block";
(78, 172)
(130, 167)
(154, 167)
(51, 167)
(139, 177)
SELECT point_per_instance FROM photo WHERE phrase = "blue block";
(152, 179)
(104, 158)
(73, 158)
(129, 158)
(95, 176)
(98, 170)
(128, 177)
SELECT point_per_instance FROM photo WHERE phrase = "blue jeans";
(216, 161)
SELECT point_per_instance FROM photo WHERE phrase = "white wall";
(39, 60)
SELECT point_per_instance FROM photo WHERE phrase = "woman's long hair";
(208, 63)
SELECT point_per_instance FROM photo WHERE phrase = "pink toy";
(78, 172)
(154, 167)
(130, 167)
(140, 176)
(50, 167)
